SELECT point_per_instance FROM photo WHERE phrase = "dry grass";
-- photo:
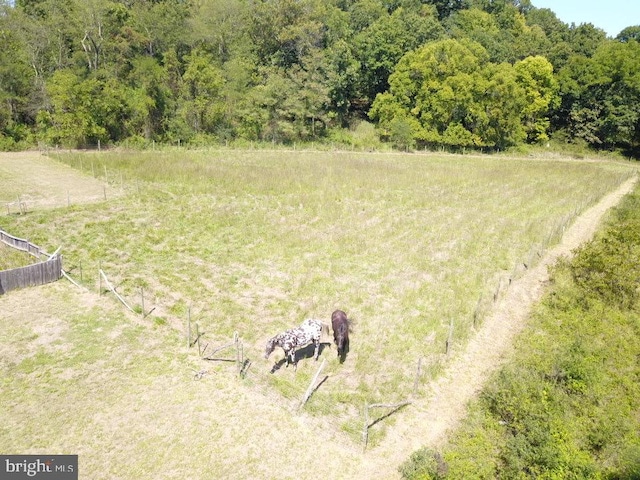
(255, 242)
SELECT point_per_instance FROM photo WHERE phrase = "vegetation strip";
(567, 403)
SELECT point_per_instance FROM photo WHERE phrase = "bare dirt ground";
(281, 445)
(37, 182)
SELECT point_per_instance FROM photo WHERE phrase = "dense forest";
(483, 74)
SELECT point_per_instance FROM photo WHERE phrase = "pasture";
(415, 248)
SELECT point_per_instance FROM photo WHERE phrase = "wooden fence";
(20, 244)
(31, 275)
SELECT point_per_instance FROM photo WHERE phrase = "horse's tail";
(325, 328)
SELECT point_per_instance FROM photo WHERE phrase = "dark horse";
(340, 325)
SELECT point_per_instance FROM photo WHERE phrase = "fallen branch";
(210, 357)
(394, 408)
(65, 275)
(365, 428)
(312, 386)
(114, 292)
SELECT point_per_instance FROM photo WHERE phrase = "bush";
(610, 268)
(424, 464)
(362, 136)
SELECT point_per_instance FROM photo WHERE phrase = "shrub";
(424, 464)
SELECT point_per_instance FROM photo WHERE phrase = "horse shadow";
(303, 353)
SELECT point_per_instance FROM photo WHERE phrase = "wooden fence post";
(365, 428)
(236, 343)
(418, 373)
(449, 337)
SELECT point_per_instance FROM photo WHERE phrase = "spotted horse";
(309, 331)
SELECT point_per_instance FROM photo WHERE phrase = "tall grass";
(254, 242)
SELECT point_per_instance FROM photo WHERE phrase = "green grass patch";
(12, 258)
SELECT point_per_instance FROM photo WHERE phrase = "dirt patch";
(34, 181)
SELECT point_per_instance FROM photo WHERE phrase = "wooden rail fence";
(31, 275)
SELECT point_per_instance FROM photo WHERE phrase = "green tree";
(17, 81)
(380, 46)
(287, 106)
(599, 95)
(628, 34)
(284, 31)
(620, 63)
(364, 13)
(149, 100)
(447, 7)
(557, 48)
(48, 29)
(505, 33)
(535, 76)
(342, 79)
(448, 93)
(221, 26)
(586, 38)
(201, 105)
(160, 23)
(71, 119)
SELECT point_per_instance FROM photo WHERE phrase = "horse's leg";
(287, 356)
(317, 351)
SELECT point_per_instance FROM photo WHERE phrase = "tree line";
(489, 74)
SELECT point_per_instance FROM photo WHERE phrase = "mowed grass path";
(255, 242)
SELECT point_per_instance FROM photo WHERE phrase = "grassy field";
(254, 242)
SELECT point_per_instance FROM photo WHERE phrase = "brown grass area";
(133, 409)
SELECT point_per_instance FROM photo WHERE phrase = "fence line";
(20, 244)
(31, 275)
